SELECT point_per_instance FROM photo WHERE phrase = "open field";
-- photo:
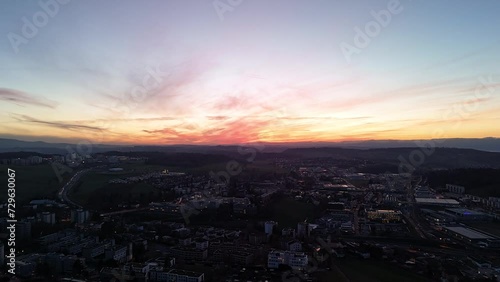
(136, 168)
(95, 192)
(332, 275)
(376, 271)
(287, 212)
(32, 182)
(203, 170)
(114, 194)
(256, 168)
(89, 184)
(263, 167)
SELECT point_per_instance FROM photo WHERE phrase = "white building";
(269, 226)
(294, 246)
(79, 216)
(35, 159)
(493, 202)
(48, 217)
(97, 249)
(347, 226)
(303, 229)
(116, 253)
(201, 244)
(176, 275)
(457, 189)
(295, 260)
(275, 258)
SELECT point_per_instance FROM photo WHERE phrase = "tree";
(43, 269)
(77, 267)
(138, 251)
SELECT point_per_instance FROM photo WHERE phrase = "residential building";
(295, 260)
(188, 253)
(457, 189)
(269, 226)
(48, 217)
(176, 275)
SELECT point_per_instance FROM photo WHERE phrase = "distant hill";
(451, 153)
(490, 144)
(22, 154)
(440, 158)
(13, 145)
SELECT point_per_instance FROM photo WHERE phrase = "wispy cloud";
(162, 118)
(22, 98)
(218, 117)
(172, 83)
(231, 103)
(57, 124)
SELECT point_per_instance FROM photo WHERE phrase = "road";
(124, 211)
(411, 216)
(63, 193)
(356, 220)
(355, 211)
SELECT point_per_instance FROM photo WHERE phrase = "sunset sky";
(228, 71)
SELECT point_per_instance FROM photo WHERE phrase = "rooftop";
(185, 273)
(436, 201)
(469, 233)
(465, 211)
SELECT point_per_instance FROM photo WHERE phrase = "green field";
(89, 184)
(111, 195)
(32, 182)
(95, 192)
(256, 168)
(288, 212)
(376, 271)
(137, 168)
(333, 275)
(263, 168)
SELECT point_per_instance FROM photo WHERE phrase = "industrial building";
(437, 202)
(461, 214)
(467, 234)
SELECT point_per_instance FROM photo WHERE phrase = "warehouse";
(461, 214)
(467, 234)
(437, 202)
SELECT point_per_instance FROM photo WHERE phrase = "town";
(309, 220)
